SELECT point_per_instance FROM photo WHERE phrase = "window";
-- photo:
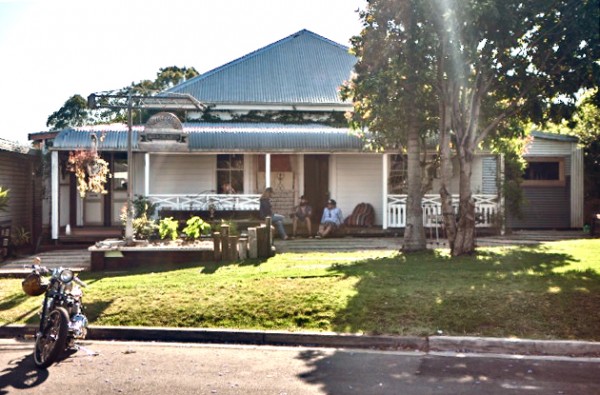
(397, 175)
(120, 172)
(230, 173)
(544, 172)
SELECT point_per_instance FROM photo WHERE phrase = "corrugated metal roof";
(304, 68)
(553, 136)
(224, 137)
(13, 146)
(111, 138)
(267, 137)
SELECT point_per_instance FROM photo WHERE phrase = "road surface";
(163, 368)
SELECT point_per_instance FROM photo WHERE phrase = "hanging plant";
(90, 170)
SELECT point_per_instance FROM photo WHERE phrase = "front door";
(316, 184)
(105, 209)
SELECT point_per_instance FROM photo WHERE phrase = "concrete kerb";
(479, 345)
(469, 344)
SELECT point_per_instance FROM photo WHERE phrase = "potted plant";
(90, 169)
(20, 238)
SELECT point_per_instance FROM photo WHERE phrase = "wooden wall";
(24, 206)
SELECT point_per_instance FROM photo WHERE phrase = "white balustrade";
(206, 202)
(486, 208)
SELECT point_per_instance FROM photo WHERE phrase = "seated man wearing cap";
(331, 220)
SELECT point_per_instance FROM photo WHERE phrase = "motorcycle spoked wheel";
(52, 340)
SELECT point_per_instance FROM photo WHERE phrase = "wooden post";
(262, 241)
(252, 243)
(269, 225)
(233, 248)
(243, 248)
(217, 246)
(225, 241)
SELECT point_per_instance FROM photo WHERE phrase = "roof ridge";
(554, 136)
(254, 54)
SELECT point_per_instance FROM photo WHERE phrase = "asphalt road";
(163, 368)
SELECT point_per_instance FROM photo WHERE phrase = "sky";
(51, 50)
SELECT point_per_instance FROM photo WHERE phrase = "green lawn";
(550, 291)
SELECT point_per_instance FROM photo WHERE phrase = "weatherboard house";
(274, 118)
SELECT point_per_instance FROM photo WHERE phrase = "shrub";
(142, 205)
(20, 237)
(168, 228)
(196, 227)
(3, 199)
(144, 228)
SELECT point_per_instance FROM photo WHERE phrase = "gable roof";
(303, 68)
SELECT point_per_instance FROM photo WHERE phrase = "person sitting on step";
(331, 220)
(302, 213)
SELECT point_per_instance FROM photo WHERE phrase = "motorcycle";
(61, 320)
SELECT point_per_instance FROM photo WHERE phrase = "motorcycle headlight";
(66, 276)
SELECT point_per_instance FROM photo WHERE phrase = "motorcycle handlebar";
(78, 281)
(40, 269)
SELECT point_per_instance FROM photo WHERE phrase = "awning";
(222, 137)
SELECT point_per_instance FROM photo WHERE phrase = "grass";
(550, 291)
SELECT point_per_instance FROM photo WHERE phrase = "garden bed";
(115, 255)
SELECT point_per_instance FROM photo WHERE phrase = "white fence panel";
(486, 209)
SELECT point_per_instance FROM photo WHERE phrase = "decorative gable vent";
(163, 126)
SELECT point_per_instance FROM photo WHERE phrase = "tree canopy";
(488, 63)
(73, 113)
(585, 124)
(76, 113)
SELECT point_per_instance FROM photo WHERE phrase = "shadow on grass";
(496, 292)
(209, 267)
(13, 301)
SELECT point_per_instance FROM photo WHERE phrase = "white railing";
(486, 208)
(206, 202)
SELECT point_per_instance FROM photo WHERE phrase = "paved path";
(75, 259)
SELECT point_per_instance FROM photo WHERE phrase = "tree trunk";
(446, 170)
(465, 235)
(414, 233)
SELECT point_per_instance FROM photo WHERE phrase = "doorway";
(316, 184)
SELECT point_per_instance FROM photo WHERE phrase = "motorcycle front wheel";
(52, 339)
